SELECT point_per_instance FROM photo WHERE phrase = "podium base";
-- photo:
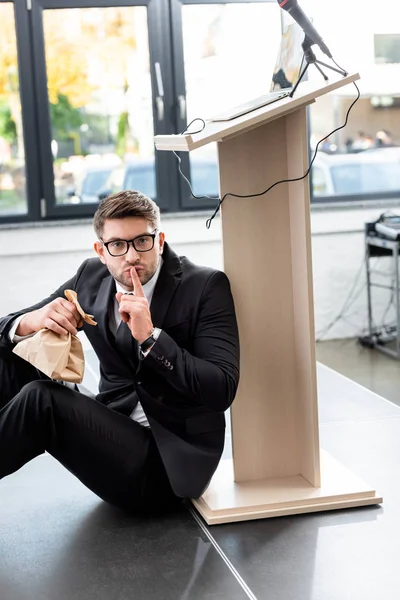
(225, 501)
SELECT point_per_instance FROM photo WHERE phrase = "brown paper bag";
(57, 356)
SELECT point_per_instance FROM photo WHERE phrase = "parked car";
(88, 184)
(371, 171)
(137, 174)
(140, 175)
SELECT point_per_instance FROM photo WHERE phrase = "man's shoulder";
(183, 266)
(202, 274)
(94, 263)
(92, 268)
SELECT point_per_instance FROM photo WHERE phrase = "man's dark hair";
(128, 203)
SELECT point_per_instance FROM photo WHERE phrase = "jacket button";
(170, 367)
(160, 358)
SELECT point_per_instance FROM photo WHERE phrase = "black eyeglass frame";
(128, 242)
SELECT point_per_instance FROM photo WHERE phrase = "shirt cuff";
(12, 335)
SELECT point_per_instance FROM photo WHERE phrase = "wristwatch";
(151, 340)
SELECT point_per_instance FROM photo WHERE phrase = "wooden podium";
(276, 467)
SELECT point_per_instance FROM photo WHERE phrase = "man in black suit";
(169, 368)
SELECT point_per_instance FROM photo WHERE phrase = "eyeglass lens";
(144, 243)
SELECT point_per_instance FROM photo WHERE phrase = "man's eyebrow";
(119, 239)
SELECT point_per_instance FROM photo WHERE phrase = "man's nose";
(132, 255)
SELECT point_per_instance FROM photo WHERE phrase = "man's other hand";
(59, 316)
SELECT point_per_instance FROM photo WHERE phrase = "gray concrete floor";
(368, 367)
(58, 541)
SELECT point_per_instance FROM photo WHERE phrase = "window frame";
(28, 109)
(158, 44)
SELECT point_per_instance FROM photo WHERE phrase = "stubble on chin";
(124, 278)
(121, 277)
(144, 276)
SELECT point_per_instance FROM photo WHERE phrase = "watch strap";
(151, 340)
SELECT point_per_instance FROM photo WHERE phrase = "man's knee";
(46, 394)
(34, 387)
(33, 393)
(36, 398)
(41, 387)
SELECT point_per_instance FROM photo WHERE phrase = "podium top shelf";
(306, 93)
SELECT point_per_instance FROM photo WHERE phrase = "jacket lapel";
(124, 351)
(101, 306)
(168, 281)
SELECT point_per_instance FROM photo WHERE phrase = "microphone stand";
(311, 59)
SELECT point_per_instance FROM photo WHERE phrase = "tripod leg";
(321, 71)
(340, 71)
(298, 81)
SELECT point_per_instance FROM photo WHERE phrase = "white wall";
(36, 260)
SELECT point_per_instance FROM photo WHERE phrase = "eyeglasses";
(141, 243)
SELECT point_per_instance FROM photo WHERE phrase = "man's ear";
(161, 240)
(99, 249)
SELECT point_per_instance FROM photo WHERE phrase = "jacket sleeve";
(210, 373)
(6, 322)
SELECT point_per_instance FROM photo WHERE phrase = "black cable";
(389, 304)
(180, 160)
(339, 67)
(377, 331)
(346, 304)
(350, 299)
(220, 200)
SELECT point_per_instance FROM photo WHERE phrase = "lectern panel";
(259, 247)
(303, 296)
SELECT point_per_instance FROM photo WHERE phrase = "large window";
(99, 89)
(229, 53)
(101, 100)
(13, 197)
(361, 161)
(387, 48)
(85, 86)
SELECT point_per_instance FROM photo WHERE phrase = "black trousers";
(114, 456)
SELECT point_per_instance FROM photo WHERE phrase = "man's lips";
(137, 269)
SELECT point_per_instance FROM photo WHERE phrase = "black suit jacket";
(190, 376)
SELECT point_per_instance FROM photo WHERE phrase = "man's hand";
(135, 310)
(59, 316)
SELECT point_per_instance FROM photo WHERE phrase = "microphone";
(299, 16)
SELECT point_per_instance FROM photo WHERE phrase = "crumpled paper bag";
(57, 356)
